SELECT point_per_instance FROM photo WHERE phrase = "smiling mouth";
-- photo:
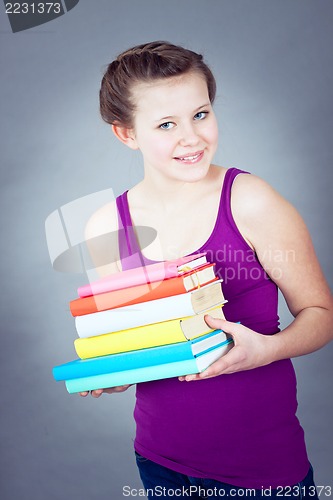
(190, 158)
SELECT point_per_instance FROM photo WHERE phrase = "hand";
(250, 350)
(98, 392)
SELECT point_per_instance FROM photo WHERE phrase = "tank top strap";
(129, 250)
(225, 205)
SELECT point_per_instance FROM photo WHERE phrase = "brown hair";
(146, 63)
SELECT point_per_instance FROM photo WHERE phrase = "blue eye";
(166, 125)
(201, 115)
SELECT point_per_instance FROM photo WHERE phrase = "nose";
(188, 135)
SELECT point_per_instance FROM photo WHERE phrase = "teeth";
(189, 158)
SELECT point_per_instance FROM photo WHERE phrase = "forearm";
(311, 329)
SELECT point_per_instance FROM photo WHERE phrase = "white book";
(154, 311)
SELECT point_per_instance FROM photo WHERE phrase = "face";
(175, 128)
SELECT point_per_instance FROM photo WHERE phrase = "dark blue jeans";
(161, 482)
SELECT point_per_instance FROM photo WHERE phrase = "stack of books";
(146, 324)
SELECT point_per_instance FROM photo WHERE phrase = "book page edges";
(200, 346)
(194, 324)
(200, 276)
(210, 357)
(207, 296)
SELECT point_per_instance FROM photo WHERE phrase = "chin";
(195, 174)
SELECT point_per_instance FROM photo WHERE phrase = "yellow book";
(157, 334)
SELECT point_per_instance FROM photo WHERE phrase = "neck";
(166, 192)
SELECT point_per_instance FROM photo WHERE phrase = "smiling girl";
(233, 426)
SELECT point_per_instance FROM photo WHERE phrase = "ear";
(125, 135)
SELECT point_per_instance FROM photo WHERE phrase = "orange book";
(143, 293)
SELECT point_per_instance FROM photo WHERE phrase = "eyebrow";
(195, 111)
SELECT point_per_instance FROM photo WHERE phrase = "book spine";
(167, 332)
(127, 279)
(124, 361)
(148, 373)
(144, 374)
(129, 296)
(137, 276)
(123, 318)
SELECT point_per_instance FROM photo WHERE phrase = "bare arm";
(278, 235)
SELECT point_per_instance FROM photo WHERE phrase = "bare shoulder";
(259, 210)
(101, 235)
(251, 194)
(102, 221)
(281, 240)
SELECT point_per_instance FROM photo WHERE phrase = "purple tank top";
(241, 428)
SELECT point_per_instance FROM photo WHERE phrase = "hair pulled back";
(144, 64)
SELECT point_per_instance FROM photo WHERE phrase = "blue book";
(141, 358)
(197, 364)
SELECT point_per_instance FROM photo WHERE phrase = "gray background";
(273, 63)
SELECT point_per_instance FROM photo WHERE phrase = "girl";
(233, 426)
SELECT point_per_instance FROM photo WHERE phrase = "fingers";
(231, 362)
(96, 393)
(224, 365)
(213, 322)
(227, 364)
(189, 378)
(220, 366)
(120, 388)
(223, 324)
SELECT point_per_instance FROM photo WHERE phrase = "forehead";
(170, 96)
